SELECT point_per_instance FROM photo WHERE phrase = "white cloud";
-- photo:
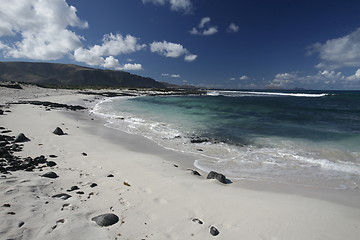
(244, 77)
(171, 75)
(185, 6)
(113, 45)
(204, 28)
(339, 52)
(233, 28)
(324, 79)
(190, 57)
(42, 27)
(355, 77)
(172, 50)
(133, 67)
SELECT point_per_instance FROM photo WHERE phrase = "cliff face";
(71, 75)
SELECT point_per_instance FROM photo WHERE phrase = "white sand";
(161, 200)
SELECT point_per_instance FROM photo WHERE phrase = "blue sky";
(213, 43)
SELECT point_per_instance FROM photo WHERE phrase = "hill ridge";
(45, 73)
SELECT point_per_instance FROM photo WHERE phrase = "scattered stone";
(80, 192)
(11, 213)
(73, 188)
(50, 175)
(51, 163)
(60, 221)
(84, 154)
(52, 156)
(1, 112)
(110, 175)
(62, 196)
(214, 231)
(20, 224)
(93, 185)
(176, 165)
(127, 184)
(58, 131)
(40, 159)
(196, 220)
(105, 220)
(53, 105)
(196, 173)
(6, 205)
(220, 177)
(21, 138)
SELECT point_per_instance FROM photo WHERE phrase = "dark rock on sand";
(50, 175)
(110, 175)
(214, 231)
(199, 140)
(51, 163)
(52, 156)
(73, 188)
(58, 131)
(196, 173)
(1, 112)
(21, 138)
(40, 159)
(20, 224)
(62, 196)
(84, 154)
(220, 177)
(6, 205)
(93, 185)
(53, 105)
(105, 220)
(196, 220)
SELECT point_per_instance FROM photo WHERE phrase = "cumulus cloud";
(339, 52)
(185, 6)
(323, 79)
(204, 28)
(233, 28)
(113, 45)
(172, 50)
(43, 28)
(244, 77)
(170, 75)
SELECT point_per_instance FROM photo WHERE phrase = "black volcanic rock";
(214, 231)
(105, 219)
(58, 131)
(21, 138)
(218, 176)
(50, 175)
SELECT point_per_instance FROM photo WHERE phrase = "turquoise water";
(310, 138)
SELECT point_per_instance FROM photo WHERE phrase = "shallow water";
(308, 138)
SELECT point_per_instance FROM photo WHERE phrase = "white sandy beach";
(152, 198)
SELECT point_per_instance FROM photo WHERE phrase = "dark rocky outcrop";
(62, 196)
(53, 105)
(21, 138)
(58, 131)
(196, 173)
(214, 231)
(105, 220)
(50, 175)
(218, 176)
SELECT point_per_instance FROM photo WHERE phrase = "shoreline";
(147, 192)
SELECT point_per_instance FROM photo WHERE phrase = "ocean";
(307, 138)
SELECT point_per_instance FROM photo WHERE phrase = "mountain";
(72, 75)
